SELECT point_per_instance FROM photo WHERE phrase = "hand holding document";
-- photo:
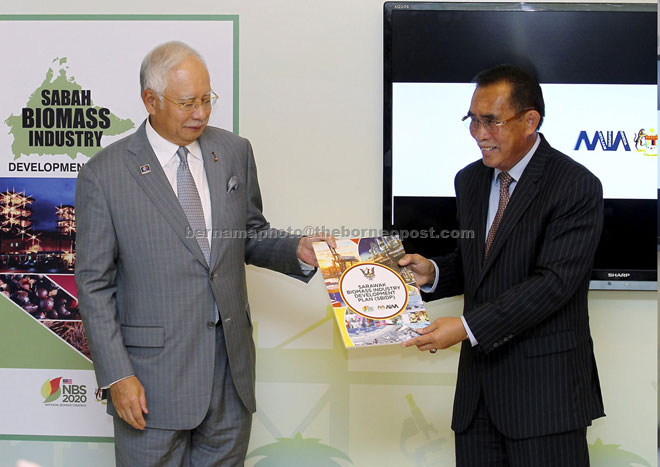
(441, 334)
(375, 301)
(305, 250)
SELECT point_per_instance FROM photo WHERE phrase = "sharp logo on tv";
(618, 275)
(645, 141)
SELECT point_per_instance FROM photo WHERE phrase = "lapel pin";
(145, 169)
(215, 158)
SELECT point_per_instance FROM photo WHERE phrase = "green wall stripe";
(118, 17)
(61, 439)
(236, 62)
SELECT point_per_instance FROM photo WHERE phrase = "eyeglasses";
(472, 123)
(188, 106)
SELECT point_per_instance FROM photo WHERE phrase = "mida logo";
(607, 139)
(645, 141)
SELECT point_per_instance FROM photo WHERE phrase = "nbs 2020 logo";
(62, 391)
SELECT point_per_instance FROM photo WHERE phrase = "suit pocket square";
(232, 184)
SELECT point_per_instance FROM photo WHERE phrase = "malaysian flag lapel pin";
(145, 169)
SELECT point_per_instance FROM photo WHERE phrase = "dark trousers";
(482, 445)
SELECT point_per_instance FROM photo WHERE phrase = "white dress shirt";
(515, 172)
(166, 153)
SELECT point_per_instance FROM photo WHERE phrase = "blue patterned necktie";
(191, 202)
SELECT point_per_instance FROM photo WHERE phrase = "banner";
(72, 90)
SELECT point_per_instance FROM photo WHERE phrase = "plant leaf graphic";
(287, 452)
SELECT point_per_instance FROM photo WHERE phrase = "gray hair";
(158, 63)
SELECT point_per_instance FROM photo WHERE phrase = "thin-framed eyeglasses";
(189, 105)
(472, 123)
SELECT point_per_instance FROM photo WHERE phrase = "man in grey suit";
(527, 384)
(163, 297)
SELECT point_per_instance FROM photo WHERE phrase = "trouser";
(482, 445)
(220, 440)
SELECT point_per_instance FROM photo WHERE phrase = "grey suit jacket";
(146, 293)
(526, 304)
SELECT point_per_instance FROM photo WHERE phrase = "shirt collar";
(518, 169)
(166, 150)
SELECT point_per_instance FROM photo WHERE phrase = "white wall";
(311, 103)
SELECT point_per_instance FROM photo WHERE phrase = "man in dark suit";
(527, 384)
(162, 297)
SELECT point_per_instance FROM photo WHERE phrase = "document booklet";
(375, 301)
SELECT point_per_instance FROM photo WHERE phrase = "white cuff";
(431, 288)
(306, 268)
(121, 379)
(473, 340)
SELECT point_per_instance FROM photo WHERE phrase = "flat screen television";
(597, 64)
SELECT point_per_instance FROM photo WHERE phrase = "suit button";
(496, 345)
(213, 276)
(506, 338)
(210, 325)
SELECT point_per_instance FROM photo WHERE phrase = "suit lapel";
(482, 201)
(480, 196)
(158, 188)
(214, 155)
(526, 190)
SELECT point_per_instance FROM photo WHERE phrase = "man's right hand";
(130, 401)
(422, 268)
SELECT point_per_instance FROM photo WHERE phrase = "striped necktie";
(191, 202)
(192, 207)
(505, 181)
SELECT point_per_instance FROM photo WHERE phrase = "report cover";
(375, 301)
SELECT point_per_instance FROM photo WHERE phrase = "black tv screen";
(597, 65)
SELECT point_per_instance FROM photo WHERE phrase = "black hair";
(525, 89)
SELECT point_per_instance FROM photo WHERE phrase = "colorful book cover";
(375, 301)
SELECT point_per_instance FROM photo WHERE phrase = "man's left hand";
(305, 250)
(440, 334)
